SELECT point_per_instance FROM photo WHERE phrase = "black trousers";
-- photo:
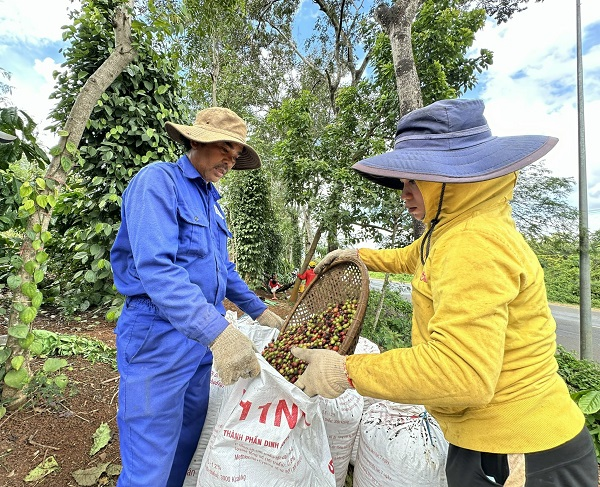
(572, 464)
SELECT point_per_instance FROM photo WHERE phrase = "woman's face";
(413, 199)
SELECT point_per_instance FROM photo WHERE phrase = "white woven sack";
(400, 445)
(268, 434)
(364, 345)
(342, 419)
(260, 336)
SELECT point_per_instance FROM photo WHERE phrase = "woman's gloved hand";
(335, 254)
(268, 318)
(234, 356)
(325, 374)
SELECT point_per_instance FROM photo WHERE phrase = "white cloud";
(532, 86)
(33, 21)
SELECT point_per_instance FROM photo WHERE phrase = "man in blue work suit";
(170, 261)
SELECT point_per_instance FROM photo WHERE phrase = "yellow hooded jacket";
(482, 360)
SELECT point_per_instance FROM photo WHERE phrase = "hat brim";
(248, 159)
(490, 159)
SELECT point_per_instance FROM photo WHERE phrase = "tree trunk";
(56, 176)
(307, 259)
(386, 279)
(396, 22)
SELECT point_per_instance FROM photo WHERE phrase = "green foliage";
(124, 133)
(583, 380)
(48, 343)
(256, 241)
(589, 403)
(393, 329)
(443, 33)
(540, 203)
(101, 438)
(392, 277)
(11, 120)
(578, 374)
(48, 385)
(559, 256)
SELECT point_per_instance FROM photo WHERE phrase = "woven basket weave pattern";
(342, 280)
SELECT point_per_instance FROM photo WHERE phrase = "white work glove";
(268, 318)
(325, 374)
(234, 356)
(335, 254)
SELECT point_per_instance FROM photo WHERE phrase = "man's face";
(215, 159)
(413, 199)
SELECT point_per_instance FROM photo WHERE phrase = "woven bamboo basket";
(342, 280)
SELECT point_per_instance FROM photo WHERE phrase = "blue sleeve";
(150, 213)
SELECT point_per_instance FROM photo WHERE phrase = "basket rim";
(346, 347)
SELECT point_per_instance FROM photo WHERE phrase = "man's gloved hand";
(268, 318)
(325, 374)
(234, 356)
(334, 254)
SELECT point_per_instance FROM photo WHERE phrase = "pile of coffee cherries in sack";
(321, 330)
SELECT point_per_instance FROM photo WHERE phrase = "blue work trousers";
(163, 396)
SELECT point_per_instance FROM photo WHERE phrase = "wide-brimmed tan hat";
(214, 125)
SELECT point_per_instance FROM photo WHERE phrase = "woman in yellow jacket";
(483, 338)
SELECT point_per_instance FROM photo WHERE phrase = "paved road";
(567, 329)
(567, 321)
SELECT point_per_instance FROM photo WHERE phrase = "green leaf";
(101, 438)
(4, 354)
(589, 403)
(89, 476)
(2, 411)
(27, 315)
(41, 257)
(66, 163)
(45, 468)
(18, 331)
(38, 276)
(29, 289)
(54, 364)
(71, 147)
(17, 379)
(25, 190)
(90, 276)
(30, 267)
(61, 381)
(17, 362)
(14, 282)
(41, 200)
(37, 299)
(26, 342)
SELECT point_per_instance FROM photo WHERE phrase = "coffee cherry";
(326, 329)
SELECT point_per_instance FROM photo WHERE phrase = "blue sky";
(530, 88)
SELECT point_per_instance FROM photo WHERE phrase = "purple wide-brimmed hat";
(449, 141)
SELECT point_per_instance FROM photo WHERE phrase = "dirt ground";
(64, 427)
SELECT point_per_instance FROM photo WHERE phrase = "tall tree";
(38, 202)
(125, 131)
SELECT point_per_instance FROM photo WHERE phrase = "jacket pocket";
(194, 233)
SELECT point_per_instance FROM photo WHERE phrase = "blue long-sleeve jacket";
(172, 246)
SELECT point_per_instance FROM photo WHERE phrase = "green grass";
(393, 277)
